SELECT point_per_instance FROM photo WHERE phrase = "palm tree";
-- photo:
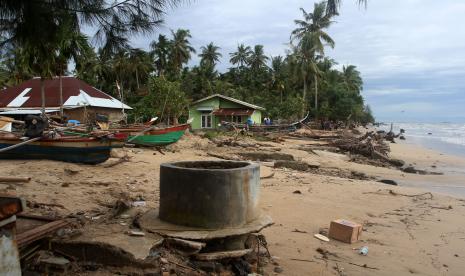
(140, 64)
(306, 65)
(160, 52)
(209, 55)
(113, 21)
(181, 50)
(257, 58)
(277, 78)
(72, 45)
(311, 35)
(332, 6)
(241, 56)
(315, 23)
(351, 78)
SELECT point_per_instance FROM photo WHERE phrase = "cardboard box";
(345, 230)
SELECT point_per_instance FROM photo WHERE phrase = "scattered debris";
(123, 159)
(13, 179)
(299, 231)
(222, 255)
(267, 176)
(266, 156)
(294, 165)
(442, 207)
(69, 171)
(321, 237)
(363, 250)
(139, 203)
(388, 182)
(426, 195)
(136, 233)
(345, 230)
(119, 207)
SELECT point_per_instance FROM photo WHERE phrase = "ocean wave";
(450, 133)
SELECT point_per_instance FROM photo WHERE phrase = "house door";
(206, 120)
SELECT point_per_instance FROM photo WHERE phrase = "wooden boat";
(156, 137)
(87, 150)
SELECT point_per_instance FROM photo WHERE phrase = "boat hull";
(159, 137)
(87, 151)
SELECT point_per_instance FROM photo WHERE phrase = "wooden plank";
(222, 255)
(40, 232)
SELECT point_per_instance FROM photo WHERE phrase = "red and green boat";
(153, 136)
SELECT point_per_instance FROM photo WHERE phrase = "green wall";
(215, 103)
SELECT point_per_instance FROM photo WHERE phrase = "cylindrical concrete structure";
(209, 194)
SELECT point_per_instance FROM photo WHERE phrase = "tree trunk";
(304, 97)
(42, 94)
(61, 97)
(175, 120)
(137, 79)
(316, 93)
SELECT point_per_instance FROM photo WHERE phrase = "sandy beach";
(407, 231)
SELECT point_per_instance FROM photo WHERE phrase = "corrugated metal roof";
(75, 93)
(230, 99)
(27, 111)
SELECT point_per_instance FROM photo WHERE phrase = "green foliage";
(165, 99)
(158, 82)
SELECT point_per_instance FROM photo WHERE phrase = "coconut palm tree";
(113, 21)
(351, 78)
(257, 58)
(332, 6)
(312, 39)
(277, 74)
(315, 23)
(181, 50)
(241, 56)
(140, 64)
(305, 64)
(72, 45)
(209, 55)
(160, 53)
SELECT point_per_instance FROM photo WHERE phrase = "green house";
(209, 112)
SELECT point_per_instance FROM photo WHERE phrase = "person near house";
(249, 123)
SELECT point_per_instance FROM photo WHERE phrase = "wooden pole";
(20, 144)
(12, 179)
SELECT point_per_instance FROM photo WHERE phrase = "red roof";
(233, 111)
(27, 94)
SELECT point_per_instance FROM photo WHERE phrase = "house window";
(206, 120)
(237, 119)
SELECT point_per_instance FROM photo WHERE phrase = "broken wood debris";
(222, 255)
(123, 159)
(391, 192)
(14, 179)
(40, 232)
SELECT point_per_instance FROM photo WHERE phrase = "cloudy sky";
(411, 52)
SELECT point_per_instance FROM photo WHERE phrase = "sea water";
(448, 138)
